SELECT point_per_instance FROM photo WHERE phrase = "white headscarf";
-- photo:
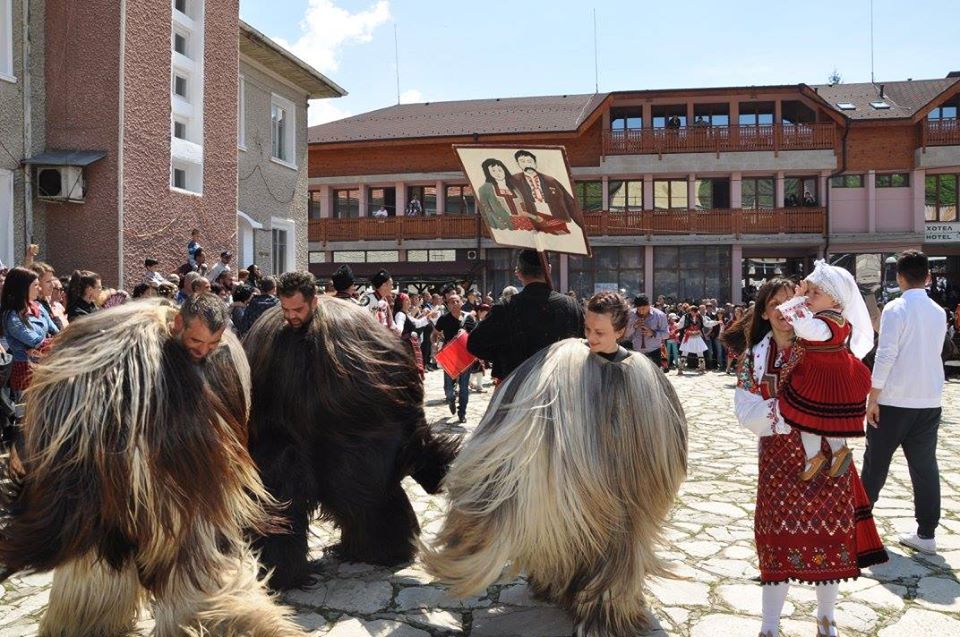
(841, 285)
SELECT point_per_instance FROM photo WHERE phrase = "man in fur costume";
(569, 477)
(337, 422)
(133, 482)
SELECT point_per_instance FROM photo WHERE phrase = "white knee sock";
(811, 444)
(774, 596)
(826, 602)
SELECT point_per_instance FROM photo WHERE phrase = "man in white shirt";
(381, 212)
(903, 409)
(223, 265)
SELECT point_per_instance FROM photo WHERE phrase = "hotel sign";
(942, 232)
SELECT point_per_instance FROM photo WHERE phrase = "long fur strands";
(133, 482)
(569, 477)
(337, 422)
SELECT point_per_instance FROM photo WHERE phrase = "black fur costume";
(337, 421)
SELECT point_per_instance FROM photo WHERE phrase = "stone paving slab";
(710, 546)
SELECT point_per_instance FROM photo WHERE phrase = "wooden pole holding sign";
(545, 264)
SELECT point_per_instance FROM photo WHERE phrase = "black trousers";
(655, 356)
(916, 431)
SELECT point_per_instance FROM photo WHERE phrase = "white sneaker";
(914, 541)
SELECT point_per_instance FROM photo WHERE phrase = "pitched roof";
(904, 97)
(265, 51)
(550, 114)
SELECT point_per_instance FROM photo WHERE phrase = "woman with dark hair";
(818, 532)
(499, 202)
(406, 326)
(26, 324)
(82, 292)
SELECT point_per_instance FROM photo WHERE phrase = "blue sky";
(456, 49)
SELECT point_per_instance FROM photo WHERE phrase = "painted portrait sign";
(525, 196)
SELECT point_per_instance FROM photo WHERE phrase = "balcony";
(719, 139)
(736, 222)
(941, 132)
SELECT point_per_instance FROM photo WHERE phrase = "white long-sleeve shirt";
(908, 368)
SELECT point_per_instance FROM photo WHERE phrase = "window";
(609, 267)
(625, 195)
(241, 114)
(709, 115)
(691, 273)
(880, 105)
(670, 194)
(943, 112)
(180, 86)
(180, 44)
(756, 114)
(941, 198)
(894, 180)
(846, 106)
(179, 130)
(6, 39)
(314, 199)
(670, 116)
(712, 194)
(181, 6)
(180, 178)
(426, 195)
(460, 201)
(346, 204)
(846, 181)
(793, 112)
(501, 263)
(622, 119)
(284, 129)
(756, 193)
(589, 195)
(800, 191)
(279, 251)
(382, 197)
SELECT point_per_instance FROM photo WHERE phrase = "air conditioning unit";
(472, 255)
(60, 183)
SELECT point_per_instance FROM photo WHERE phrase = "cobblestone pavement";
(711, 546)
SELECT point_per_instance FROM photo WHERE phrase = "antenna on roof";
(596, 63)
(396, 60)
(871, 42)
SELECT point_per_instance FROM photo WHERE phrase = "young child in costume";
(826, 386)
(691, 327)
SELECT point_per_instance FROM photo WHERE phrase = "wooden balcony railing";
(718, 139)
(606, 223)
(941, 132)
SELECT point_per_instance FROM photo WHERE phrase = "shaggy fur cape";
(133, 482)
(337, 422)
(569, 477)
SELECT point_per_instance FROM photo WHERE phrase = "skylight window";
(879, 105)
(846, 106)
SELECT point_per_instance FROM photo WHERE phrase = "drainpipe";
(25, 88)
(839, 171)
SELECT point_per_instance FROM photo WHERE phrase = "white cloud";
(411, 96)
(327, 28)
(323, 111)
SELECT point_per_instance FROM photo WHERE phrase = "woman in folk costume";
(818, 531)
(406, 326)
(691, 340)
(570, 477)
(826, 385)
(133, 482)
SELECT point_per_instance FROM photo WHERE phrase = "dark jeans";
(655, 356)
(464, 382)
(916, 431)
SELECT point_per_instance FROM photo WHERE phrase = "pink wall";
(894, 209)
(82, 86)
(848, 210)
(157, 221)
